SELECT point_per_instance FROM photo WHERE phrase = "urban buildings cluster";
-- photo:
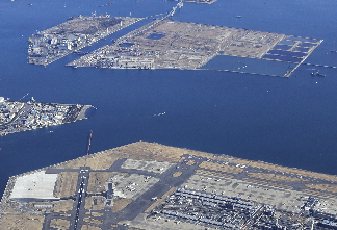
(44, 48)
(21, 116)
(61, 40)
(223, 212)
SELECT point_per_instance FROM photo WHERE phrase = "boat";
(317, 74)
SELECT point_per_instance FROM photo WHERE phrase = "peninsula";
(151, 186)
(17, 116)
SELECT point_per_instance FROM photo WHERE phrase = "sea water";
(288, 121)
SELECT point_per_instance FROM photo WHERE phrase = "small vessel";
(317, 74)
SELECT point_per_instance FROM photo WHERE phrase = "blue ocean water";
(288, 121)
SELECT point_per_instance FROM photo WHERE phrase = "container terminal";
(71, 36)
(152, 186)
(18, 116)
(167, 44)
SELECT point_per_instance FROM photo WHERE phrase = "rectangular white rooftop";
(37, 186)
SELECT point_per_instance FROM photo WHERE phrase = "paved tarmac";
(140, 204)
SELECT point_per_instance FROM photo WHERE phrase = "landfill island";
(151, 186)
